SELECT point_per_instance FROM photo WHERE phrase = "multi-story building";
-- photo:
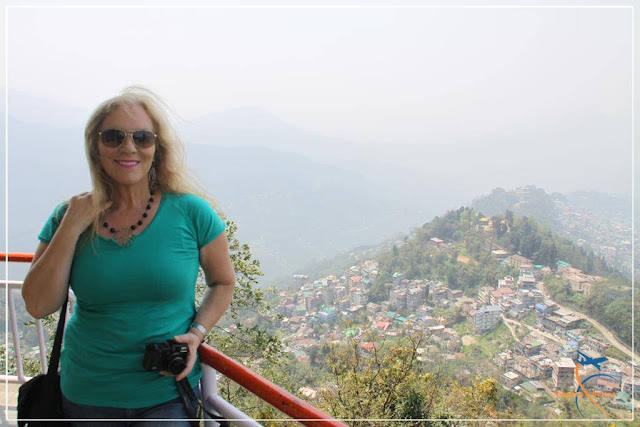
(517, 260)
(343, 304)
(372, 307)
(328, 295)
(311, 303)
(359, 298)
(631, 384)
(510, 379)
(485, 318)
(526, 281)
(563, 373)
(504, 359)
(398, 299)
(415, 297)
(525, 367)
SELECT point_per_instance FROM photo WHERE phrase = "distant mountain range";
(289, 208)
(296, 195)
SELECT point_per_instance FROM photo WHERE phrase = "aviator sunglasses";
(114, 137)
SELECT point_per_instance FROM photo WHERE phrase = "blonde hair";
(172, 174)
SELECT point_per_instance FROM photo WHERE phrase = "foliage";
(388, 382)
(614, 353)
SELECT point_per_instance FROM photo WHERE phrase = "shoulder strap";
(186, 393)
(54, 361)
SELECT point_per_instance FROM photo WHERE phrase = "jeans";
(172, 409)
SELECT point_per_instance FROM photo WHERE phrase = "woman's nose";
(128, 144)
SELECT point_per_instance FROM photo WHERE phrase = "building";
(504, 359)
(509, 379)
(358, 297)
(499, 254)
(563, 373)
(328, 295)
(485, 318)
(526, 281)
(344, 303)
(631, 384)
(415, 297)
(517, 260)
(312, 303)
(398, 299)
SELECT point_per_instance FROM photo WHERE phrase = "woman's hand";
(193, 342)
(80, 212)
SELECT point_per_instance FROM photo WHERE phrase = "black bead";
(133, 227)
(150, 199)
(105, 225)
(152, 192)
(113, 230)
(140, 222)
(144, 215)
(148, 207)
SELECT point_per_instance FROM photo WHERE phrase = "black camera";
(166, 356)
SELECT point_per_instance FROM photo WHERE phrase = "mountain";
(289, 209)
(524, 201)
(598, 222)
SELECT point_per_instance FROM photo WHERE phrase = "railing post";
(208, 383)
(42, 346)
(16, 337)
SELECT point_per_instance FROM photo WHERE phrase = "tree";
(388, 382)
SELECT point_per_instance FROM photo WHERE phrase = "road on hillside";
(508, 324)
(604, 331)
(535, 331)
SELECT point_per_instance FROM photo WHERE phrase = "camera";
(166, 356)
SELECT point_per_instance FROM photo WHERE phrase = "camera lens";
(176, 364)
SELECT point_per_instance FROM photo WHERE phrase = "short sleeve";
(52, 223)
(207, 223)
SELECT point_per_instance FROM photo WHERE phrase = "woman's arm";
(219, 274)
(45, 286)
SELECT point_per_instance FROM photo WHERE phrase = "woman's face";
(127, 164)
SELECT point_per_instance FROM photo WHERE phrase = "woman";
(130, 250)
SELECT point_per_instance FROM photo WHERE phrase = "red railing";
(276, 396)
(16, 257)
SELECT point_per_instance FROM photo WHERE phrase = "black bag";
(40, 398)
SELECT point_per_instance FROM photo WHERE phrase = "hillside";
(598, 222)
(456, 249)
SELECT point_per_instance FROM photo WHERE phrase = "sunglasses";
(114, 137)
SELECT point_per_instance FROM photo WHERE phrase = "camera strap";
(194, 410)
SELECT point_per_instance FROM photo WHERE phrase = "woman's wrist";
(199, 330)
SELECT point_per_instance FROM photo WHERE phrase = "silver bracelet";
(202, 329)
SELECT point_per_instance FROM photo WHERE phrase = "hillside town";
(539, 362)
(609, 239)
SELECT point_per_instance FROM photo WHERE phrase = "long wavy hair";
(172, 174)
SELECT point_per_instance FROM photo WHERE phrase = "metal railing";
(212, 363)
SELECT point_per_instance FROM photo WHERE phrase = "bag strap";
(188, 396)
(54, 361)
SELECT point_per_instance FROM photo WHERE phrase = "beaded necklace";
(117, 233)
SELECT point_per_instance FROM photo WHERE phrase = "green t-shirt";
(128, 297)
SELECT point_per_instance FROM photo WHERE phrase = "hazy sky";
(418, 78)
